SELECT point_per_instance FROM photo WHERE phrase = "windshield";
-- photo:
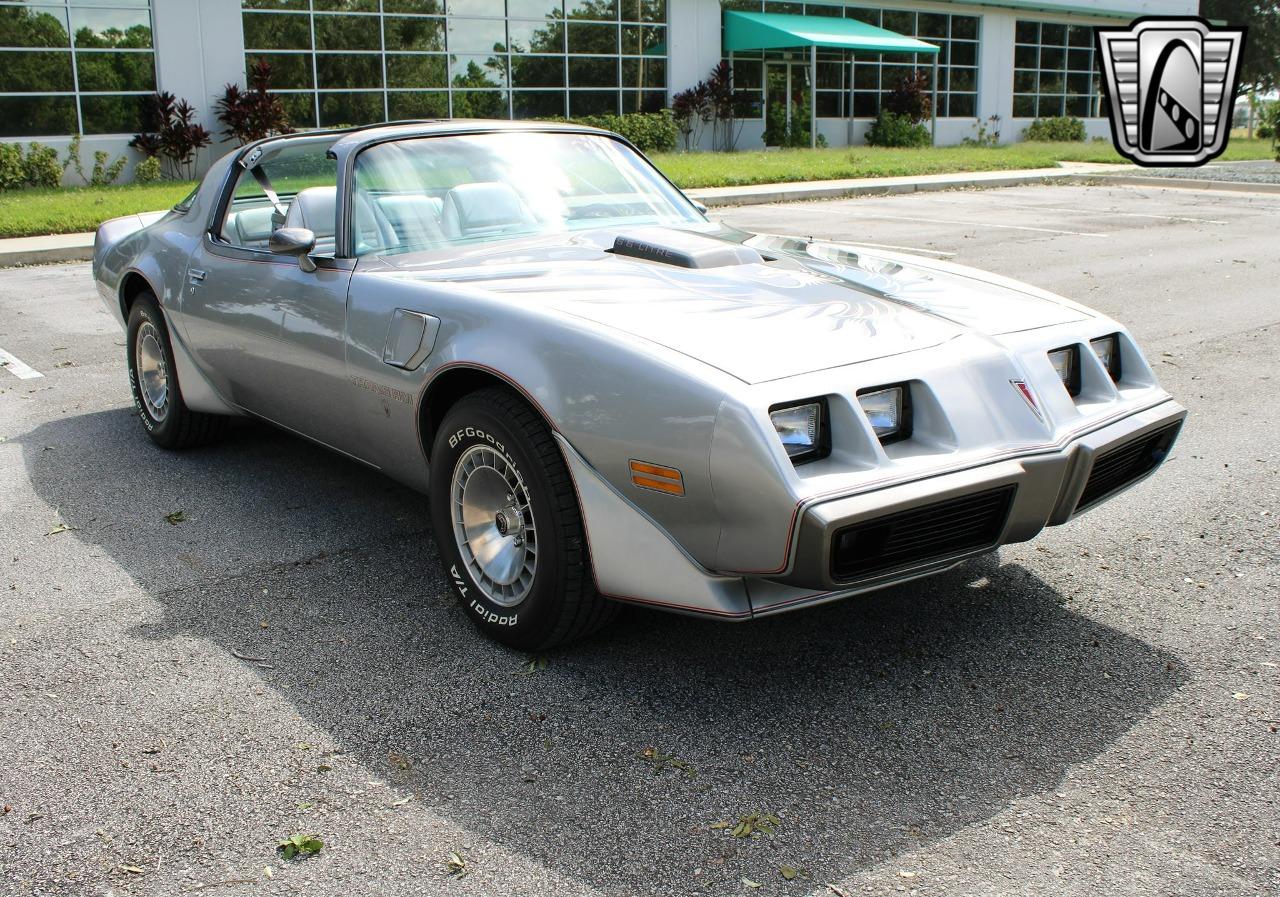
(434, 192)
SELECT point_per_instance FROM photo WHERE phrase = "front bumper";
(634, 560)
(876, 538)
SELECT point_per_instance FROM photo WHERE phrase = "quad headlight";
(801, 427)
(1066, 361)
(888, 408)
(1107, 348)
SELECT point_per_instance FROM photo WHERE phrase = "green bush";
(148, 171)
(892, 129)
(1267, 121)
(42, 166)
(1059, 129)
(651, 132)
(13, 173)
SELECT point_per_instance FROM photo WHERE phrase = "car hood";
(789, 307)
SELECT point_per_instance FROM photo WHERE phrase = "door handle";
(194, 277)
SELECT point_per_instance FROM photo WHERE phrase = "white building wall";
(207, 32)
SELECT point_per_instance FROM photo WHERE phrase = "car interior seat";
(414, 217)
(316, 208)
(484, 209)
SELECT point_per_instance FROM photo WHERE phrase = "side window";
(304, 183)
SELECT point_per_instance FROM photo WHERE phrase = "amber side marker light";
(657, 478)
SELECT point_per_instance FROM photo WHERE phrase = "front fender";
(612, 397)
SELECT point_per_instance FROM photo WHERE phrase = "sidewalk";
(79, 247)
(42, 250)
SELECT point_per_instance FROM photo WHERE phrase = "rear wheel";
(508, 526)
(153, 380)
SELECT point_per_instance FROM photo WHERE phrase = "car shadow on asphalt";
(868, 727)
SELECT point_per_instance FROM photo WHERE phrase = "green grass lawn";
(26, 213)
(692, 170)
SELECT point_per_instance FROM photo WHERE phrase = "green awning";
(771, 31)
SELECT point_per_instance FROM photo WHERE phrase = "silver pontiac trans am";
(608, 398)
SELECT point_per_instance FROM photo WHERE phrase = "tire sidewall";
(146, 310)
(526, 624)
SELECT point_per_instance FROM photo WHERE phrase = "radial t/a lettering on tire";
(153, 381)
(508, 526)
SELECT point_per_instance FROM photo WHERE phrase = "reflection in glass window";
(111, 27)
(289, 71)
(477, 36)
(417, 104)
(35, 71)
(1055, 71)
(417, 71)
(404, 33)
(350, 108)
(478, 71)
(37, 116)
(98, 91)
(538, 103)
(467, 55)
(277, 32)
(26, 27)
(349, 70)
(348, 33)
(536, 37)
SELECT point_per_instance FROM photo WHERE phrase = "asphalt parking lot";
(1091, 713)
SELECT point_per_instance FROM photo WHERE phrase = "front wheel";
(508, 526)
(153, 380)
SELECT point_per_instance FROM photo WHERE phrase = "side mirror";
(701, 207)
(296, 241)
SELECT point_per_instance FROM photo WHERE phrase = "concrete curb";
(46, 250)
(1136, 180)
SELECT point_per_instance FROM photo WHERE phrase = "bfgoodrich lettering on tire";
(153, 380)
(508, 526)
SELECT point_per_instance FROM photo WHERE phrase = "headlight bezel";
(1073, 381)
(905, 421)
(822, 438)
(1113, 363)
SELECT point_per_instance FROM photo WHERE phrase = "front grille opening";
(920, 535)
(1118, 467)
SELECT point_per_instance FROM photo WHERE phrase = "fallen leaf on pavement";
(456, 865)
(176, 517)
(533, 665)
(299, 845)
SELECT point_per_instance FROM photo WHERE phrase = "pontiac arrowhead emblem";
(1171, 87)
(1028, 396)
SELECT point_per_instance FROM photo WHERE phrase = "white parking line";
(1125, 214)
(1041, 230)
(17, 367)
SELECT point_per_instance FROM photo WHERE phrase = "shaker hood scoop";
(757, 317)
